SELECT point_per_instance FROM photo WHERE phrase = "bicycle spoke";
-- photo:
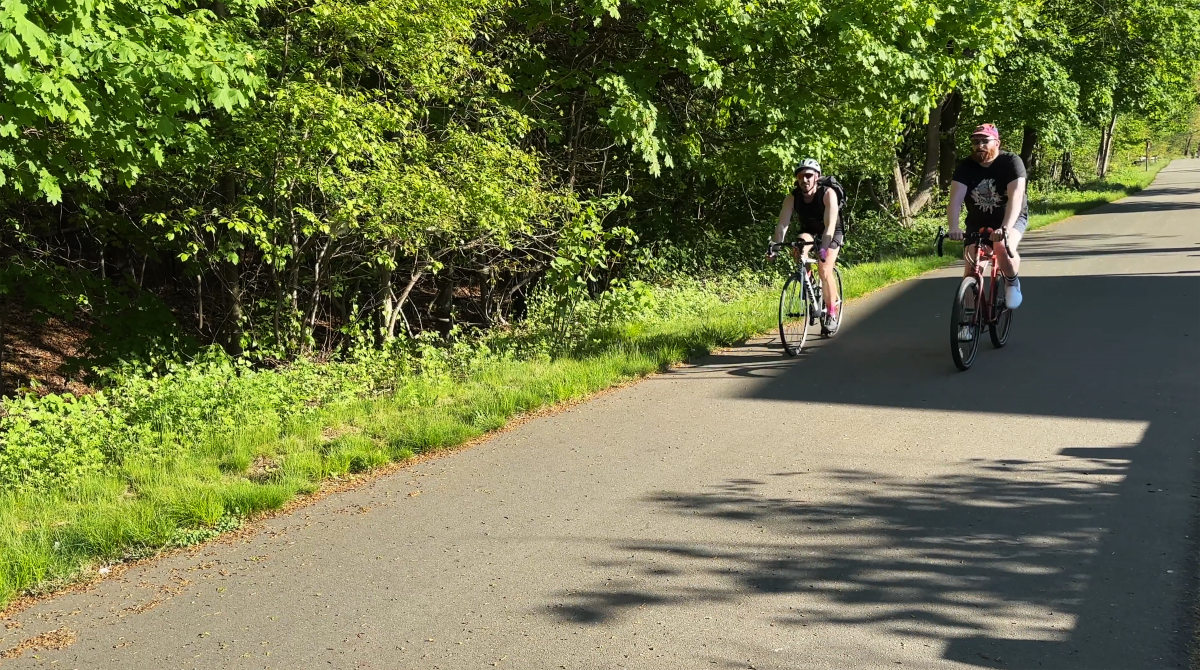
(964, 324)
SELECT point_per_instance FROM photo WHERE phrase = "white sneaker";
(966, 334)
(1012, 293)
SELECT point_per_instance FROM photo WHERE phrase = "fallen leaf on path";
(56, 639)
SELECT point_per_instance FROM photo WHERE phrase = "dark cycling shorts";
(839, 235)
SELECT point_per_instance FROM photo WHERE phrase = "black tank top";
(810, 214)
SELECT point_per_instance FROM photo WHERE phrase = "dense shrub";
(55, 439)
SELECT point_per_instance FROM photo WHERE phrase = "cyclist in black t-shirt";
(816, 206)
(995, 182)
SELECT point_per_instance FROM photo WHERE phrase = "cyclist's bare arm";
(958, 194)
(785, 217)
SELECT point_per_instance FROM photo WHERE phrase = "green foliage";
(1085, 63)
(96, 92)
(586, 252)
(145, 416)
(55, 439)
(877, 237)
(186, 537)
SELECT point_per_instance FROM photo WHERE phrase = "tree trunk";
(1028, 142)
(232, 279)
(1108, 142)
(3, 309)
(233, 315)
(900, 186)
(933, 145)
(949, 150)
(1147, 155)
(200, 302)
(315, 296)
(1068, 170)
(443, 304)
(1187, 148)
(386, 294)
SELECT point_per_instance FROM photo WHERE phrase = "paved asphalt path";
(865, 505)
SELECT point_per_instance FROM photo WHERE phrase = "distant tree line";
(298, 176)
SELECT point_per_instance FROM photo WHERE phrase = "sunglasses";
(980, 141)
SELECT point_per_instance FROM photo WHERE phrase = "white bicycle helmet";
(807, 164)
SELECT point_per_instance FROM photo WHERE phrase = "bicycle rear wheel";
(964, 324)
(793, 314)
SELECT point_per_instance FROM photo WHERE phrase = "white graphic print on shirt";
(986, 196)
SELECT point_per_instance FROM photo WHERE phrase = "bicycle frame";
(805, 265)
(985, 254)
(985, 308)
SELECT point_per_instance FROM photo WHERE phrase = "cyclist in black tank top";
(811, 213)
(817, 208)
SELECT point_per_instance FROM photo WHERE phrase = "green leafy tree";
(99, 92)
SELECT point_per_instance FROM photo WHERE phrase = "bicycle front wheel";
(999, 330)
(964, 324)
(793, 314)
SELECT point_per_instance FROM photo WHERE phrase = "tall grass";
(283, 436)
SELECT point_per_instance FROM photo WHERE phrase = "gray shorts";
(839, 236)
(1020, 226)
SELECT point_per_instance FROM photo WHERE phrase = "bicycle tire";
(1000, 330)
(965, 313)
(793, 314)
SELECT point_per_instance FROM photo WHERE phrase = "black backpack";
(832, 182)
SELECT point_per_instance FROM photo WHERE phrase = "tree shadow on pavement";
(1137, 206)
(1046, 252)
(1062, 562)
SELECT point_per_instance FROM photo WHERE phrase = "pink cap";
(987, 130)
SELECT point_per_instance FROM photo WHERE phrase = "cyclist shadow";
(1064, 360)
(1058, 560)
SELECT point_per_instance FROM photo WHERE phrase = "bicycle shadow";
(1058, 364)
(1075, 547)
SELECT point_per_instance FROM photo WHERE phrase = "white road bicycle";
(802, 303)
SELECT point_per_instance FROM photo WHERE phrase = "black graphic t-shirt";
(987, 189)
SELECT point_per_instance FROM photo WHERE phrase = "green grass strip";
(49, 538)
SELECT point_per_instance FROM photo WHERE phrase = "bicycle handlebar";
(982, 235)
(776, 246)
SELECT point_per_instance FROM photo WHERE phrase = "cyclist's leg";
(828, 281)
(1010, 266)
(968, 254)
(807, 238)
